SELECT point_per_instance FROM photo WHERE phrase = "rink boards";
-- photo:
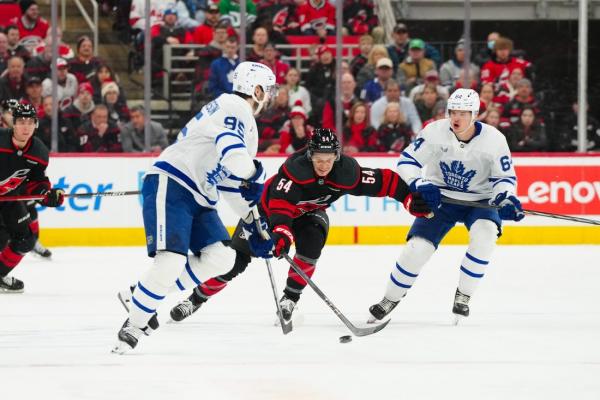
(557, 184)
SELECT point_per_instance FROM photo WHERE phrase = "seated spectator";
(118, 112)
(260, 38)
(82, 106)
(104, 74)
(524, 97)
(67, 142)
(316, 17)
(137, 13)
(15, 47)
(498, 68)
(367, 72)
(398, 51)
(205, 56)
(508, 89)
(487, 94)
(33, 94)
(394, 134)
(365, 44)
(348, 88)
(221, 69)
(393, 95)
(31, 24)
(359, 16)
(527, 134)
(278, 67)
(6, 119)
(67, 84)
(359, 135)
(40, 64)
(133, 137)
(427, 102)
(185, 15)
(64, 50)
(296, 91)
(373, 89)
(568, 132)
(281, 15)
(12, 84)
(461, 81)
(432, 79)
(486, 53)
(85, 64)
(4, 53)
(296, 132)
(169, 32)
(450, 71)
(98, 134)
(230, 9)
(492, 118)
(271, 120)
(439, 112)
(204, 33)
(411, 71)
(320, 80)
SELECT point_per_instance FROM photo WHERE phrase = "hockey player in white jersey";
(461, 158)
(181, 190)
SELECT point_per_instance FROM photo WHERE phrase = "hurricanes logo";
(14, 181)
(455, 175)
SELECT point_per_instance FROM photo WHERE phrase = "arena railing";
(92, 23)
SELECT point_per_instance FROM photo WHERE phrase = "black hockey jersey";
(22, 171)
(296, 189)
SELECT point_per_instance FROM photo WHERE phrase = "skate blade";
(8, 291)
(372, 320)
(457, 319)
(121, 348)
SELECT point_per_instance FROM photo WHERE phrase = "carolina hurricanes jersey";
(475, 170)
(214, 151)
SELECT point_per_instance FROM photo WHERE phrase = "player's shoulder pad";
(298, 168)
(345, 172)
(492, 135)
(38, 150)
(434, 128)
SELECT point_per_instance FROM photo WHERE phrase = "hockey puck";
(345, 339)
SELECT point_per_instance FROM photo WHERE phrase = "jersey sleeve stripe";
(509, 181)
(224, 134)
(228, 189)
(405, 154)
(409, 163)
(514, 178)
(231, 147)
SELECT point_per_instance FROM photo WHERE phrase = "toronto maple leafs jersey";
(214, 151)
(475, 170)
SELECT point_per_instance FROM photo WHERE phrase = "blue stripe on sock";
(477, 260)
(472, 274)
(405, 272)
(179, 285)
(149, 293)
(402, 285)
(191, 273)
(141, 306)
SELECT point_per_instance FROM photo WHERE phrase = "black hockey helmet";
(24, 111)
(323, 141)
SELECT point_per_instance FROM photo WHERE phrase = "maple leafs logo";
(455, 175)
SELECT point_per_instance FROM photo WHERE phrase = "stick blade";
(369, 330)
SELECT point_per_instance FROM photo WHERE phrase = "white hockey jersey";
(214, 152)
(474, 170)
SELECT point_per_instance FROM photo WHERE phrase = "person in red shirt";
(348, 86)
(359, 135)
(278, 67)
(498, 69)
(203, 34)
(315, 16)
(30, 23)
(296, 132)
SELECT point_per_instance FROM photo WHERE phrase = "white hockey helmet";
(464, 100)
(248, 75)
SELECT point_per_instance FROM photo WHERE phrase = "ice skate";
(460, 309)
(128, 336)
(287, 307)
(381, 310)
(125, 299)
(187, 307)
(8, 284)
(41, 251)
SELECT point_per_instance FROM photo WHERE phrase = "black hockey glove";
(54, 198)
(417, 206)
(251, 189)
(283, 239)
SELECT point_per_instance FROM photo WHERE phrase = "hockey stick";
(286, 327)
(76, 195)
(530, 212)
(354, 329)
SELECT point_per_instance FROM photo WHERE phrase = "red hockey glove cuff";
(282, 240)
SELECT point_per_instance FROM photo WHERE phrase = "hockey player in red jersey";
(23, 162)
(294, 203)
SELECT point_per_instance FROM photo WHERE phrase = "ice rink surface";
(534, 332)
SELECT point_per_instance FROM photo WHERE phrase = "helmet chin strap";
(260, 104)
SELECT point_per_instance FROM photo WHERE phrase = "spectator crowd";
(389, 91)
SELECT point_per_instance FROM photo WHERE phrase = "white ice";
(534, 332)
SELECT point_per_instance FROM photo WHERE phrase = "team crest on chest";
(455, 175)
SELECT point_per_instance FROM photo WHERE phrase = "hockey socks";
(482, 241)
(9, 259)
(408, 266)
(295, 284)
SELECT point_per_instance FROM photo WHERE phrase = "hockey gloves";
(510, 206)
(251, 189)
(54, 198)
(417, 206)
(428, 191)
(260, 246)
(283, 239)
